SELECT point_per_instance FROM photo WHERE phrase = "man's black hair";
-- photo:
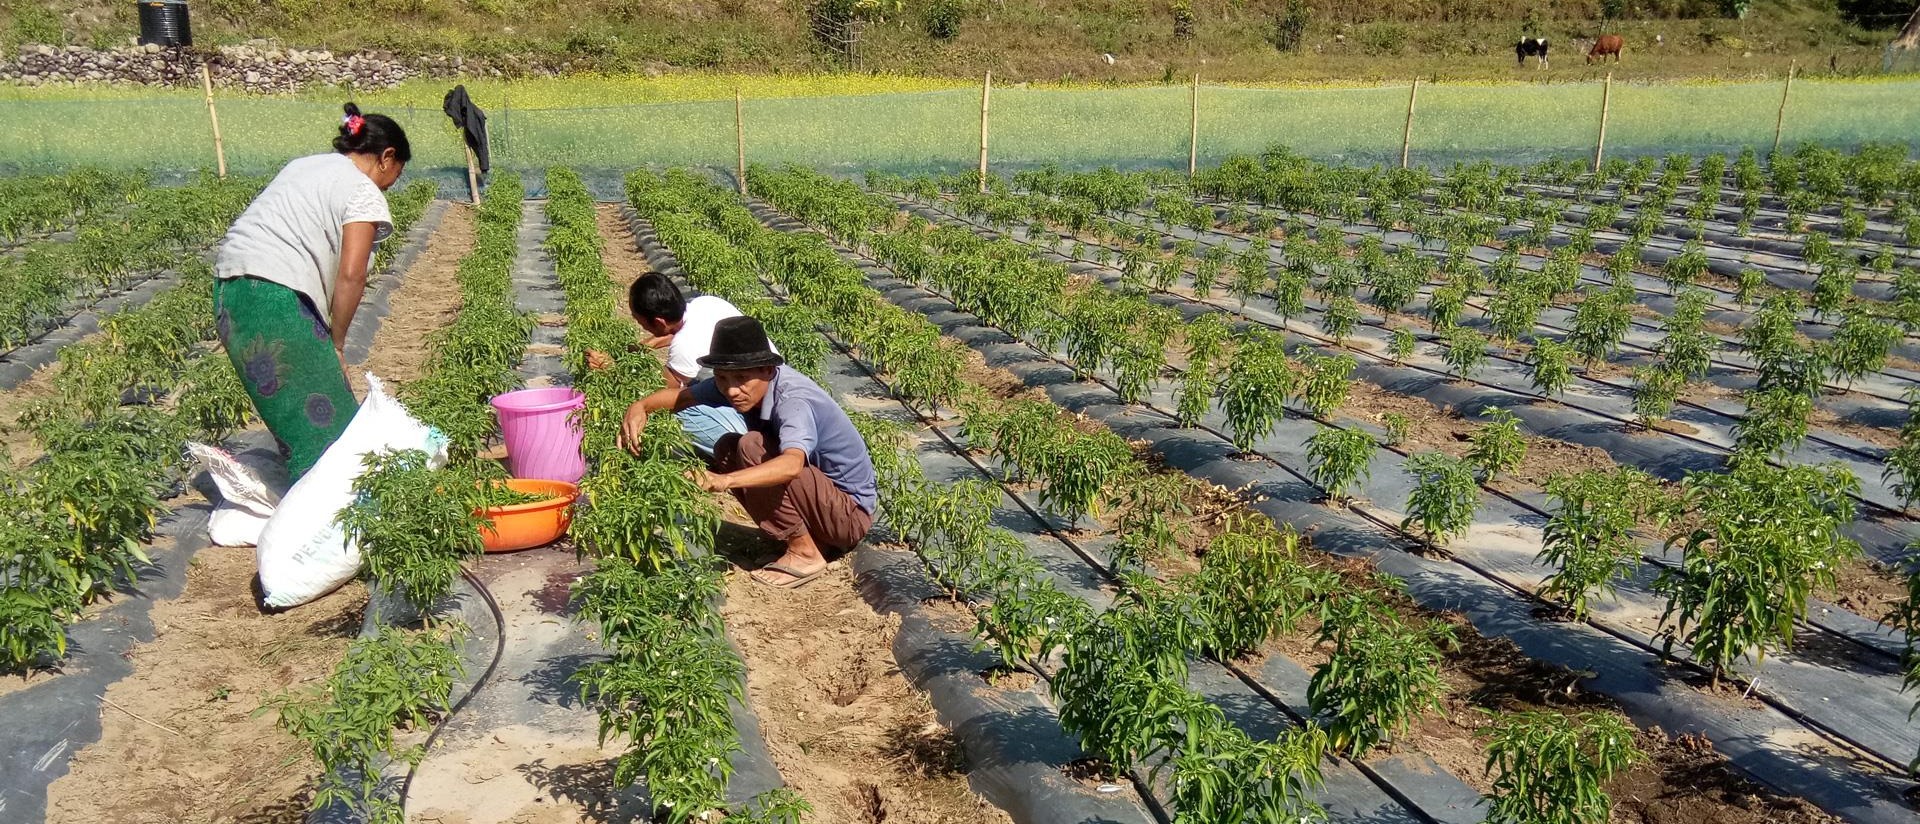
(654, 296)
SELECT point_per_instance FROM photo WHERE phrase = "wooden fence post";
(739, 144)
(213, 115)
(1193, 135)
(986, 91)
(1406, 136)
(1600, 146)
(1780, 120)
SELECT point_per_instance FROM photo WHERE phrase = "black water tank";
(164, 22)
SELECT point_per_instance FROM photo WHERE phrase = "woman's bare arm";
(356, 250)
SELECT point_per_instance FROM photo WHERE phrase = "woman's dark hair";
(371, 134)
(654, 296)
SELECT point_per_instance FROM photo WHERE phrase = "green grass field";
(907, 124)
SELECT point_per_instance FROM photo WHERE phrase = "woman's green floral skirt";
(283, 350)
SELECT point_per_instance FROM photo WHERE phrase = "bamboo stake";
(136, 717)
(1780, 120)
(986, 90)
(739, 144)
(1406, 136)
(1600, 146)
(213, 115)
(1193, 136)
(473, 173)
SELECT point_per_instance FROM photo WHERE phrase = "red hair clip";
(354, 123)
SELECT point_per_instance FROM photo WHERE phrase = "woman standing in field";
(289, 277)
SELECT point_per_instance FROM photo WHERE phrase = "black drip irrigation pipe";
(1876, 507)
(493, 662)
(1826, 731)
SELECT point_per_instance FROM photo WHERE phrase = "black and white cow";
(1531, 47)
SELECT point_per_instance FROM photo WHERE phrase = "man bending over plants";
(685, 328)
(801, 469)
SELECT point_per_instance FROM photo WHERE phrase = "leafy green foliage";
(1400, 345)
(1497, 445)
(1381, 675)
(1655, 389)
(1444, 499)
(1257, 382)
(1589, 536)
(414, 524)
(1550, 768)
(1397, 427)
(1599, 324)
(1768, 537)
(1549, 366)
(1324, 382)
(392, 679)
(1775, 421)
(1338, 459)
(1466, 351)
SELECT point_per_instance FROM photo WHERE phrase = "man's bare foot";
(790, 571)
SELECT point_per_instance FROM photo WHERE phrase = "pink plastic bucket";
(543, 439)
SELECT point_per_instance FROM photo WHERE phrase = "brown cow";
(1607, 44)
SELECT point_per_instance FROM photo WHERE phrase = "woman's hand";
(342, 355)
(633, 426)
(597, 359)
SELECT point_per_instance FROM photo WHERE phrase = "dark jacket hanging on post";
(472, 123)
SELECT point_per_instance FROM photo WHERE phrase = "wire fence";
(1135, 127)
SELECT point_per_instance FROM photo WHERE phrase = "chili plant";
(393, 679)
(1339, 459)
(1254, 390)
(1444, 499)
(1323, 386)
(414, 523)
(1589, 535)
(1769, 536)
(1548, 366)
(1381, 675)
(1775, 421)
(1497, 446)
(1400, 345)
(1550, 768)
(1466, 351)
(1397, 427)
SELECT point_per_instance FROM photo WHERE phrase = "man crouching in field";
(801, 470)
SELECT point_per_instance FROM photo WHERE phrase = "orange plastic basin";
(524, 526)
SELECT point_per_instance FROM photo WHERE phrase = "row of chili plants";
(1778, 406)
(1447, 488)
(1252, 583)
(1560, 271)
(1254, 378)
(76, 517)
(37, 205)
(413, 521)
(672, 678)
(111, 248)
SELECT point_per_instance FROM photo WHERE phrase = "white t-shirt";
(291, 233)
(692, 342)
